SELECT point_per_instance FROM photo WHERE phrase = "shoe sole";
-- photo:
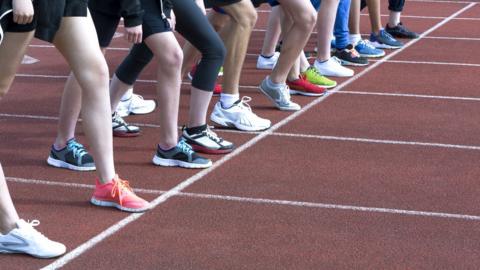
(125, 134)
(116, 205)
(264, 68)
(3, 251)
(276, 105)
(178, 163)
(372, 55)
(348, 63)
(302, 93)
(62, 164)
(206, 150)
(230, 124)
(384, 46)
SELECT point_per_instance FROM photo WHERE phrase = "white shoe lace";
(285, 94)
(212, 135)
(33, 231)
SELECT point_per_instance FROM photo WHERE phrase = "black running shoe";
(400, 31)
(350, 57)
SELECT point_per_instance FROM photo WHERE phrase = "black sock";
(195, 130)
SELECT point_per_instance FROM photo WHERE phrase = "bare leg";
(354, 19)
(326, 17)
(77, 41)
(273, 32)
(169, 56)
(374, 13)
(8, 214)
(303, 15)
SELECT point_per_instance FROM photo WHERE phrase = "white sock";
(127, 95)
(394, 18)
(227, 100)
(354, 38)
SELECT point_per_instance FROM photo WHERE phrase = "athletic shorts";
(256, 3)
(106, 25)
(47, 18)
(219, 3)
(152, 19)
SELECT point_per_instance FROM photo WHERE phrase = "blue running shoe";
(384, 41)
(366, 49)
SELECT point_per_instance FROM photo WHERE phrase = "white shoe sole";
(116, 205)
(178, 163)
(230, 124)
(301, 93)
(62, 164)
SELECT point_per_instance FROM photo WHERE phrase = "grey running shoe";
(182, 155)
(72, 157)
(280, 95)
(120, 128)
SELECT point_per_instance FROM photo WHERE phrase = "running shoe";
(26, 239)
(302, 86)
(239, 116)
(267, 62)
(74, 156)
(123, 129)
(206, 141)
(279, 95)
(400, 31)
(313, 76)
(332, 67)
(350, 57)
(118, 193)
(182, 155)
(384, 41)
(366, 49)
(135, 105)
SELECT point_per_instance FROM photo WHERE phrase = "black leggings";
(393, 5)
(193, 25)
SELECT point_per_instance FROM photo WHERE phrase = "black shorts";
(219, 3)
(47, 18)
(152, 18)
(106, 25)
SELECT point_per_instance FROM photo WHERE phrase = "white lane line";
(269, 201)
(335, 206)
(325, 137)
(113, 229)
(433, 63)
(411, 95)
(454, 38)
(378, 141)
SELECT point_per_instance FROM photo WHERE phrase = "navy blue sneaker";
(384, 40)
(182, 155)
(400, 31)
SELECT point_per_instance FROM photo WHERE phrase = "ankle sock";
(227, 100)
(127, 95)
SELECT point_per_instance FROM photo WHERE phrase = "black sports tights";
(193, 25)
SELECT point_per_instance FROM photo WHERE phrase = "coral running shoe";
(118, 193)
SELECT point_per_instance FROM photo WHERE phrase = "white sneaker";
(135, 105)
(333, 67)
(25, 239)
(239, 116)
(267, 63)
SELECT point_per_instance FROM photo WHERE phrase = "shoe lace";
(386, 35)
(33, 231)
(185, 147)
(316, 74)
(334, 58)
(285, 94)
(120, 187)
(77, 149)
(118, 119)
(212, 135)
(244, 103)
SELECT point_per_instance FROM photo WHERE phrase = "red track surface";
(382, 174)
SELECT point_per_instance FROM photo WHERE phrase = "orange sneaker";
(118, 193)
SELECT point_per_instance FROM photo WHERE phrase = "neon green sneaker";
(312, 75)
(220, 72)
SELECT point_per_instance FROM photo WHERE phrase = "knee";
(172, 59)
(307, 19)
(248, 18)
(99, 71)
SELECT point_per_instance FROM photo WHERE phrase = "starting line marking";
(353, 208)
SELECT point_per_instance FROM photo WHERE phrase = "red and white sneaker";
(303, 87)
(118, 193)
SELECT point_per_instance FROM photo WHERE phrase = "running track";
(380, 174)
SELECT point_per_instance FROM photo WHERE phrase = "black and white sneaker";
(203, 140)
(182, 155)
(121, 128)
